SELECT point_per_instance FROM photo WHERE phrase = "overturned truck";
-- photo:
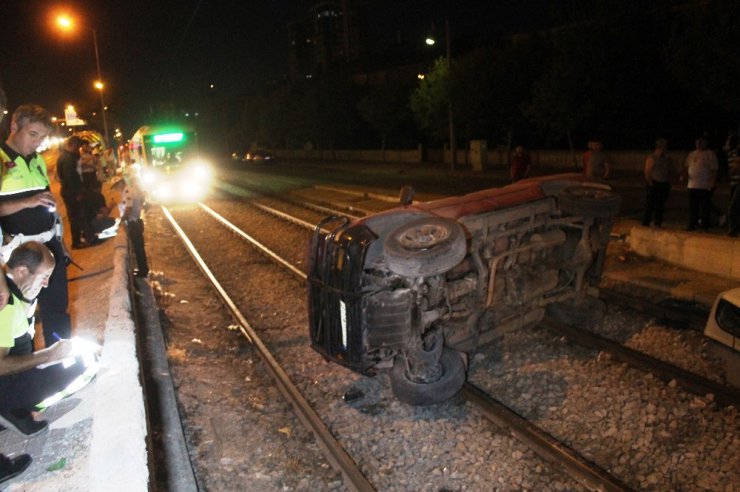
(416, 288)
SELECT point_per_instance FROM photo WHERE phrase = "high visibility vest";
(15, 321)
(18, 176)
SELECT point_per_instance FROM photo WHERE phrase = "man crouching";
(30, 380)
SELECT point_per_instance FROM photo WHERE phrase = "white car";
(723, 324)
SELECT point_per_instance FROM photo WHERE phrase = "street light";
(450, 115)
(66, 23)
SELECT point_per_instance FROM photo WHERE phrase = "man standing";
(701, 167)
(657, 172)
(72, 193)
(520, 164)
(28, 209)
(599, 163)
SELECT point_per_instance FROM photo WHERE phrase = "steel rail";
(546, 446)
(283, 215)
(229, 188)
(663, 370)
(263, 249)
(365, 194)
(340, 459)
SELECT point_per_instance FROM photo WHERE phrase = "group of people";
(700, 171)
(596, 162)
(34, 258)
(77, 170)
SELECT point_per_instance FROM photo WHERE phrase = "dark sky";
(151, 50)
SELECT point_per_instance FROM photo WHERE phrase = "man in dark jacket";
(72, 190)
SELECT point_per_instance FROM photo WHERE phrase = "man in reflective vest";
(28, 210)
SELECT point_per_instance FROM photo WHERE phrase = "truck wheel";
(424, 247)
(444, 388)
(589, 201)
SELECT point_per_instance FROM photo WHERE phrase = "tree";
(385, 107)
(489, 87)
(559, 103)
(429, 102)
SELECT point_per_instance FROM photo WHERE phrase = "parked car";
(723, 324)
(258, 155)
(416, 288)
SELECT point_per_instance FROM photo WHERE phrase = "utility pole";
(450, 114)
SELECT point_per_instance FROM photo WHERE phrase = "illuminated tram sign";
(168, 137)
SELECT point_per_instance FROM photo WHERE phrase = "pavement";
(97, 437)
(664, 274)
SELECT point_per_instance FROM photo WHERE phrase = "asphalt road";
(437, 179)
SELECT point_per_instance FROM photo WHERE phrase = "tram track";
(588, 481)
(354, 479)
(549, 448)
(690, 381)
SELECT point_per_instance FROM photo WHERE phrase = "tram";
(169, 162)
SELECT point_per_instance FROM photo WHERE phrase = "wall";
(624, 160)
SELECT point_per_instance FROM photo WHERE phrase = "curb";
(118, 455)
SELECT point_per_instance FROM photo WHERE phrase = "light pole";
(450, 115)
(67, 24)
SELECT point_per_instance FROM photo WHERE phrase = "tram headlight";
(200, 170)
(192, 190)
(148, 177)
(163, 191)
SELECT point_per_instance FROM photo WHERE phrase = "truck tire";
(449, 383)
(425, 247)
(589, 201)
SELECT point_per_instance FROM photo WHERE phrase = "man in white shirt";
(701, 168)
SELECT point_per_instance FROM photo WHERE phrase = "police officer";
(28, 210)
(4, 291)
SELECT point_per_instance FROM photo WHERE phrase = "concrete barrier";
(707, 253)
(118, 455)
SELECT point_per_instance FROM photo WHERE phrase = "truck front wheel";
(451, 378)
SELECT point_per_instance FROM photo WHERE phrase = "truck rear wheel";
(589, 201)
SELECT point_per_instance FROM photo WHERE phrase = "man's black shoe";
(12, 467)
(23, 423)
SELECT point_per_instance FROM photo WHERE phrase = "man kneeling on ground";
(29, 379)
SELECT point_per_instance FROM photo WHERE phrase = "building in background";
(331, 34)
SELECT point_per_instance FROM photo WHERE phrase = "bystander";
(131, 206)
(599, 163)
(519, 164)
(658, 185)
(701, 169)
